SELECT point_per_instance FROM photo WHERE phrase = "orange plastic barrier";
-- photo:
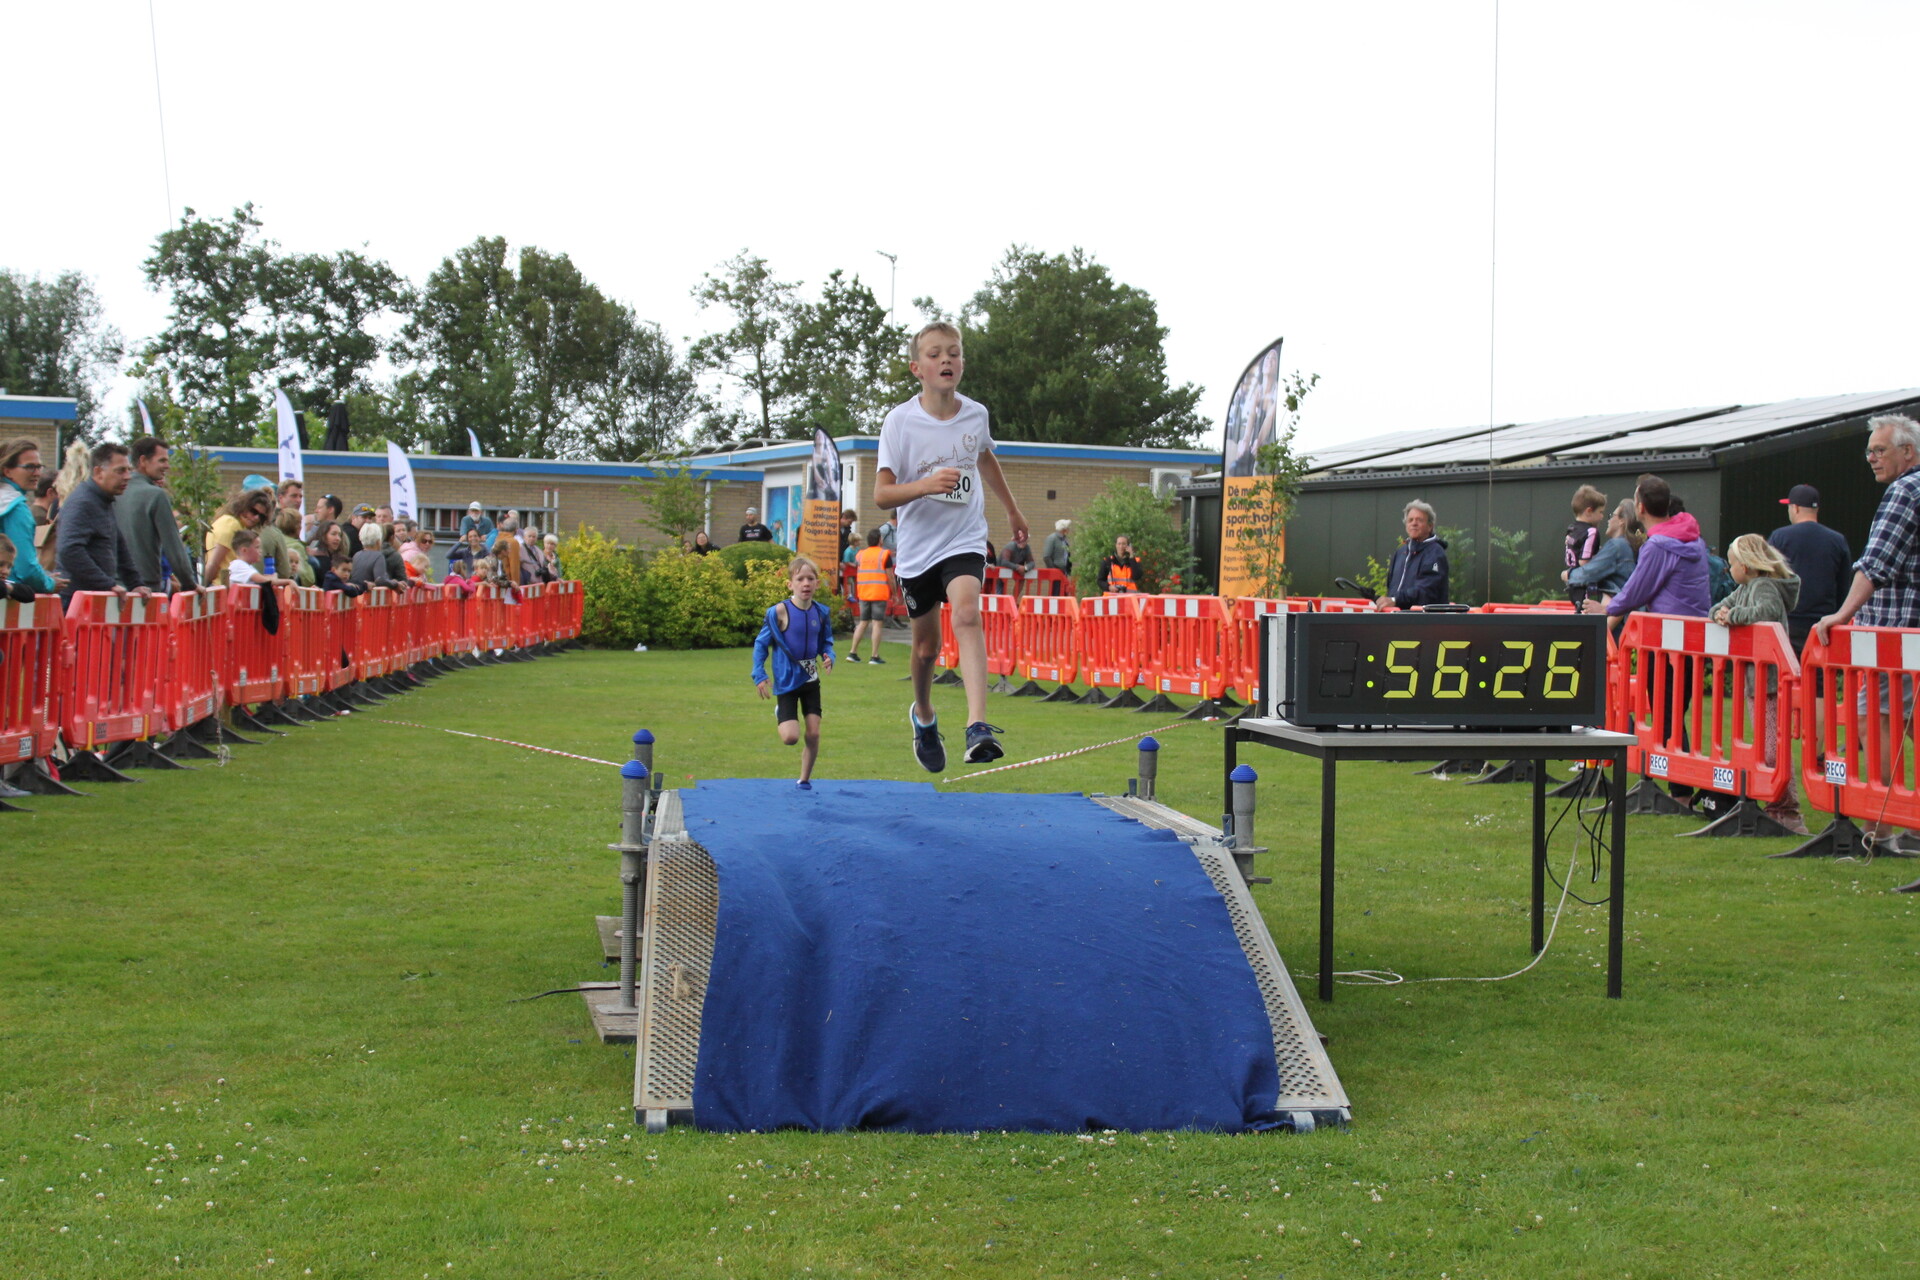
(529, 618)
(1544, 606)
(949, 647)
(252, 672)
(196, 656)
(997, 580)
(460, 614)
(1709, 704)
(116, 657)
(1861, 762)
(341, 670)
(1000, 619)
(1047, 643)
(1241, 640)
(306, 625)
(1341, 604)
(30, 649)
(1110, 641)
(1051, 582)
(372, 646)
(490, 617)
(1182, 644)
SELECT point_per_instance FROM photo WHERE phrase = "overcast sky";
(1697, 202)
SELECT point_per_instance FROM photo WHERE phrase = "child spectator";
(1767, 592)
(1612, 565)
(246, 564)
(799, 632)
(936, 459)
(1583, 535)
(339, 576)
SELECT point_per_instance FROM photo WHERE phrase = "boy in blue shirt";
(799, 632)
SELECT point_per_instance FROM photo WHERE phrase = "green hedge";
(674, 599)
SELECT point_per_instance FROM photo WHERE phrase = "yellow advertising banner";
(1252, 538)
(820, 538)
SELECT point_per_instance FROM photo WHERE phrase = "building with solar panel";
(1732, 464)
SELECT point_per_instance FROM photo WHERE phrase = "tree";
(220, 337)
(55, 341)
(519, 353)
(640, 406)
(1130, 508)
(675, 500)
(844, 362)
(326, 308)
(1266, 505)
(1060, 351)
(751, 354)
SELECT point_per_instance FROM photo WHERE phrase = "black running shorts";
(927, 591)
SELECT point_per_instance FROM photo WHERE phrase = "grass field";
(260, 1020)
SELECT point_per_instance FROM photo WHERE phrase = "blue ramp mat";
(889, 957)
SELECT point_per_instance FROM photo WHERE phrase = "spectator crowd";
(108, 522)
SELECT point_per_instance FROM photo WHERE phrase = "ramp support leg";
(1328, 791)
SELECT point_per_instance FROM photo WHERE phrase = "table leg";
(1327, 791)
(1232, 736)
(1617, 879)
(1539, 855)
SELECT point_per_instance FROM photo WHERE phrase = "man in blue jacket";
(1418, 572)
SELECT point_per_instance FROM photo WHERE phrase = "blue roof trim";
(496, 466)
(38, 409)
(799, 450)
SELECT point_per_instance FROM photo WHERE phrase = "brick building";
(1050, 481)
(42, 418)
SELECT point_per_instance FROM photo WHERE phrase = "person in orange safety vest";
(872, 587)
(1120, 572)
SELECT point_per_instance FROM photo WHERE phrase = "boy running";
(936, 453)
(800, 634)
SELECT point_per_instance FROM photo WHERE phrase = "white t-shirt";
(240, 573)
(913, 445)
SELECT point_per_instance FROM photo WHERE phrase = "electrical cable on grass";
(1388, 978)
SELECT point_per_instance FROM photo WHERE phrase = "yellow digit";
(1401, 669)
(1441, 667)
(1555, 669)
(1500, 689)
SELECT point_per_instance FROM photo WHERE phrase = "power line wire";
(160, 107)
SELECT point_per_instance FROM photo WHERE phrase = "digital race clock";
(1502, 670)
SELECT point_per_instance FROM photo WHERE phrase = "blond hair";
(1756, 555)
(937, 326)
(799, 562)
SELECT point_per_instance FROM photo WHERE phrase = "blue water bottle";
(267, 564)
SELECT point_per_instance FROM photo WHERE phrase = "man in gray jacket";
(145, 513)
(93, 551)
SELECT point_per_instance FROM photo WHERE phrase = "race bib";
(961, 492)
(812, 667)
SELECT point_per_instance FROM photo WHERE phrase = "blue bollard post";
(635, 814)
(1149, 767)
(1240, 839)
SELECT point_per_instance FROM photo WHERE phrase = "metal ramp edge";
(1310, 1091)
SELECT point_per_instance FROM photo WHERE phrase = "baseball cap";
(363, 510)
(256, 482)
(753, 511)
(1802, 495)
(473, 506)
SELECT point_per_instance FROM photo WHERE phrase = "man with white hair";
(1886, 577)
(1057, 551)
(1418, 572)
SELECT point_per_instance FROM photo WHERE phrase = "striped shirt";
(1892, 557)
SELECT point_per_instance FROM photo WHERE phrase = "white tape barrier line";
(1062, 755)
(508, 741)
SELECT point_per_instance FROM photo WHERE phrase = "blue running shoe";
(929, 747)
(982, 746)
(804, 785)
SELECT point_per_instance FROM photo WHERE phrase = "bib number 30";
(961, 492)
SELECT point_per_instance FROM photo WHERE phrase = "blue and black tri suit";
(797, 650)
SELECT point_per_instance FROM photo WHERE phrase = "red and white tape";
(1062, 755)
(613, 764)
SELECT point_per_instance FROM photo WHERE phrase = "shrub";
(738, 556)
(692, 602)
(1158, 544)
(767, 586)
(613, 614)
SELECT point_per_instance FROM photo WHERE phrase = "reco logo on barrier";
(1656, 766)
(1837, 772)
(1722, 779)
